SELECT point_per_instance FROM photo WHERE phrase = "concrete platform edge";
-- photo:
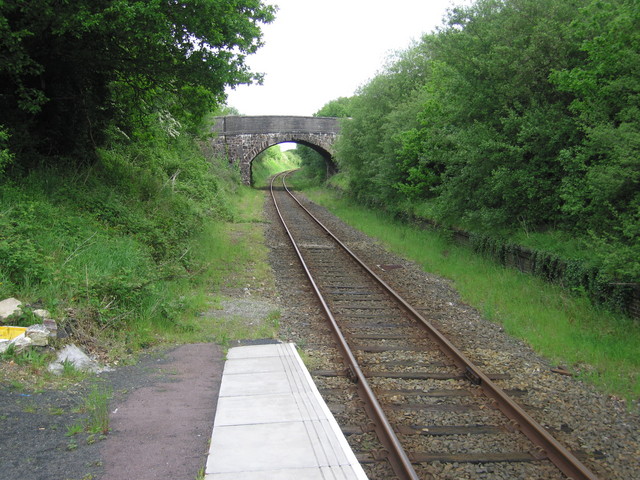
(295, 437)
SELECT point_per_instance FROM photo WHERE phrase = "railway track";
(425, 402)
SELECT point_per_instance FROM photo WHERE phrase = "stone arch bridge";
(241, 139)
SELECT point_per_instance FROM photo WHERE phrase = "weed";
(268, 328)
(309, 362)
(56, 411)
(25, 318)
(223, 339)
(200, 475)
(115, 241)
(69, 368)
(131, 261)
(9, 353)
(274, 319)
(97, 407)
(16, 385)
(30, 357)
(72, 445)
(74, 429)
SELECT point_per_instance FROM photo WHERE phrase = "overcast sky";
(318, 50)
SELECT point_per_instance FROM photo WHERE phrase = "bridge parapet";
(237, 125)
(241, 139)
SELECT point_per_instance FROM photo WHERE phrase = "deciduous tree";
(69, 68)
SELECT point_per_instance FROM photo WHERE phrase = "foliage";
(71, 69)
(340, 107)
(6, 157)
(110, 216)
(96, 405)
(368, 143)
(315, 166)
(112, 243)
(515, 115)
(269, 162)
(95, 408)
(602, 193)
(36, 360)
(492, 120)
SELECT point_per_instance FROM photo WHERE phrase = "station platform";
(271, 422)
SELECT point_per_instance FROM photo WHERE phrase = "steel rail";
(562, 458)
(398, 458)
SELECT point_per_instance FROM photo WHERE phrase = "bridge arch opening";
(305, 154)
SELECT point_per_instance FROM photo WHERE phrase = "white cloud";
(319, 50)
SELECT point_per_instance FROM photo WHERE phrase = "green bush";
(516, 116)
(6, 157)
(112, 239)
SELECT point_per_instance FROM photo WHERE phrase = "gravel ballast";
(578, 415)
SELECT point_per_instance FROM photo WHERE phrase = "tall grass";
(568, 329)
(130, 252)
(114, 249)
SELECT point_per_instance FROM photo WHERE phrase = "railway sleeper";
(428, 375)
(439, 430)
(429, 457)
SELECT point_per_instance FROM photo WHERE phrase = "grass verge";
(567, 329)
(236, 258)
(227, 255)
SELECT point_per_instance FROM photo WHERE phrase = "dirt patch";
(251, 309)
(162, 413)
(162, 431)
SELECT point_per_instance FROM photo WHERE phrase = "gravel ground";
(577, 414)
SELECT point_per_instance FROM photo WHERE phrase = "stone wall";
(241, 139)
(621, 296)
(237, 125)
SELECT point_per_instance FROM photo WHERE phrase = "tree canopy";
(515, 114)
(69, 69)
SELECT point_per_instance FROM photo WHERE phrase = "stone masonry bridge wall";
(241, 139)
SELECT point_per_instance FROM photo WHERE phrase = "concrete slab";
(255, 351)
(272, 423)
(244, 410)
(290, 474)
(253, 365)
(254, 384)
(241, 447)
